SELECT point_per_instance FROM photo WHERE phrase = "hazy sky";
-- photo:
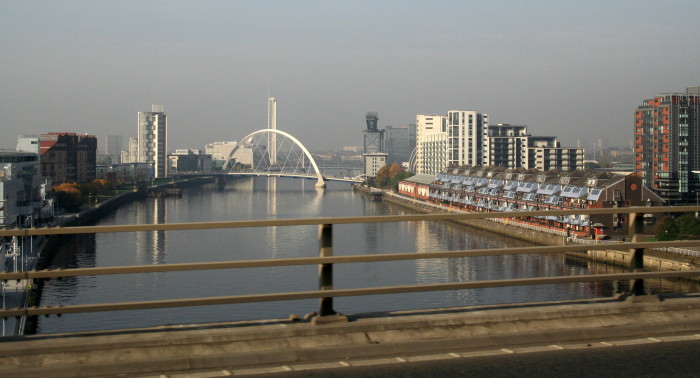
(572, 69)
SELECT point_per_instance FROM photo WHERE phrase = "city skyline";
(576, 71)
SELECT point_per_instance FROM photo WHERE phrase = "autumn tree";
(382, 178)
(68, 196)
(389, 176)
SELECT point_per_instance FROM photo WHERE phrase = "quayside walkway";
(284, 345)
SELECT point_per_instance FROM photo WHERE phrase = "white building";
(374, 162)
(431, 144)
(219, 151)
(453, 140)
(465, 137)
(22, 189)
(152, 140)
(28, 143)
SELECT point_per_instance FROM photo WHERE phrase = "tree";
(382, 178)
(687, 226)
(389, 176)
(68, 196)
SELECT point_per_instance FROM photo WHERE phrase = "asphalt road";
(653, 359)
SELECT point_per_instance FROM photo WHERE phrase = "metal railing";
(325, 260)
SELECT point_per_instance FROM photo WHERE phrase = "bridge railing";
(325, 260)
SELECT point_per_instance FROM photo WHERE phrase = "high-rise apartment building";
(506, 146)
(545, 153)
(152, 140)
(511, 146)
(431, 144)
(667, 145)
(464, 138)
(68, 157)
(454, 140)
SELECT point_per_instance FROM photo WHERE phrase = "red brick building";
(68, 157)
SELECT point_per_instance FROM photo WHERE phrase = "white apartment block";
(455, 139)
(152, 140)
(431, 144)
(465, 137)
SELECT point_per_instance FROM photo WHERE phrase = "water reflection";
(263, 198)
(152, 246)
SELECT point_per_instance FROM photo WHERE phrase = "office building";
(128, 173)
(112, 148)
(189, 161)
(219, 152)
(667, 145)
(399, 143)
(152, 140)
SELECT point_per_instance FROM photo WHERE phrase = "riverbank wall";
(653, 260)
(520, 233)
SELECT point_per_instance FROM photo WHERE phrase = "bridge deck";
(235, 347)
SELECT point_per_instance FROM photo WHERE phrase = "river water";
(279, 198)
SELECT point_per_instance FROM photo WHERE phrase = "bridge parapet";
(240, 347)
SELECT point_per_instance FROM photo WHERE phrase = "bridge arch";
(319, 184)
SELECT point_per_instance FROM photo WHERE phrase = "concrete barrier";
(240, 345)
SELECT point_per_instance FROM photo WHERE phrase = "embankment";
(653, 260)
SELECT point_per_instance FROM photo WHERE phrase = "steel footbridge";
(256, 155)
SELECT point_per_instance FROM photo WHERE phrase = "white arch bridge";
(290, 158)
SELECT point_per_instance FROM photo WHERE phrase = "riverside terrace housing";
(487, 189)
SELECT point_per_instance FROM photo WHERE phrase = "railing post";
(325, 271)
(637, 254)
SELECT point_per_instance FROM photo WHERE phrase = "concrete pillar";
(636, 254)
(325, 271)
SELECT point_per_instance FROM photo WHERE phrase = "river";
(279, 198)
